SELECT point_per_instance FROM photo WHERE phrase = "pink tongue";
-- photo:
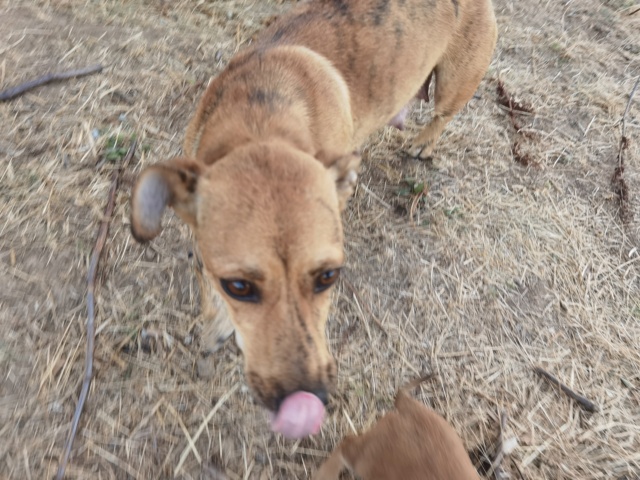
(300, 415)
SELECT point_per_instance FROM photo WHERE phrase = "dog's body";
(411, 443)
(269, 164)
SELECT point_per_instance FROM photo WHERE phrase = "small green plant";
(453, 213)
(33, 179)
(116, 147)
(561, 51)
(410, 186)
(556, 47)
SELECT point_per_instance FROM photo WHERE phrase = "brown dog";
(268, 166)
(411, 443)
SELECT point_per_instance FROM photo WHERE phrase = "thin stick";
(91, 279)
(414, 206)
(623, 123)
(584, 402)
(618, 181)
(626, 109)
(496, 465)
(515, 465)
(18, 90)
(411, 384)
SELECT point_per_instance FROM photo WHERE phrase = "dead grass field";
(506, 260)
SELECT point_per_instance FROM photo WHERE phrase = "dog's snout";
(322, 394)
(278, 403)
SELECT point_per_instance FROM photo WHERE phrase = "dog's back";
(443, 456)
(384, 49)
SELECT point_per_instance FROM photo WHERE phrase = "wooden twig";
(414, 206)
(91, 279)
(366, 307)
(584, 402)
(496, 465)
(623, 124)
(618, 181)
(18, 90)
(515, 465)
(411, 384)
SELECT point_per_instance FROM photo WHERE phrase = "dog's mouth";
(300, 414)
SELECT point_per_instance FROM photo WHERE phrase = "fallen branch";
(18, 90)
(91, 279)
(515, 465)
(496, 465)
(584, 402)
(618, 181)
(623, 123)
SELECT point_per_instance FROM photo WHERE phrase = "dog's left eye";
(241, 290)
(326, 279)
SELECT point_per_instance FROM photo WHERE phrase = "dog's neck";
(272, 99)
(289, 125)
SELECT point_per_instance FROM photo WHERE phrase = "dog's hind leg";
(457, 75)
(217, 325)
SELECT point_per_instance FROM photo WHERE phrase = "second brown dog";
(411, 443)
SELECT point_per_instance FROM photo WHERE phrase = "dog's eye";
(326, 279)
(240, 290)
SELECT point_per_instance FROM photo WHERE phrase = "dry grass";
(494, 270)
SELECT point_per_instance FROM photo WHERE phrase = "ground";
(509, 250)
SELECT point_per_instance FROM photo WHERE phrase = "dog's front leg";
(331, 468)
(217, 325)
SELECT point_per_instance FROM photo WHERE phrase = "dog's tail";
(403, 398)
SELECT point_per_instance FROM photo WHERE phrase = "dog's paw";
(345, 173)
(420, 151)
(349, 181)
(217, 329)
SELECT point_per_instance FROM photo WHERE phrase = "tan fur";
(411, 443)
(270, 162)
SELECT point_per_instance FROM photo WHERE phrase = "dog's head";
(266, 219)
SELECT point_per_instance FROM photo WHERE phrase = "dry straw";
(489, 270)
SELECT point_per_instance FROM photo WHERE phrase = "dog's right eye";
(326, 279)
(240, 290)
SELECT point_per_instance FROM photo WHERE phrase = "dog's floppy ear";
(345, 173)
(173, 184)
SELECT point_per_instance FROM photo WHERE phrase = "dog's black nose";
(322, 394)
(277, 403)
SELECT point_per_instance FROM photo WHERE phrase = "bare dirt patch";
(475, 266)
